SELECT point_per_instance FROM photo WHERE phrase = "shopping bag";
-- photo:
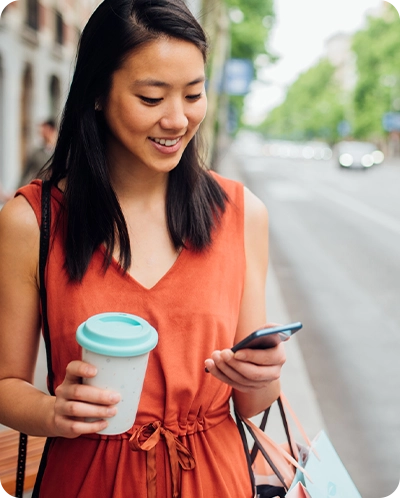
(316, 472)
(326, 475)
(280, 466)
(298, 491)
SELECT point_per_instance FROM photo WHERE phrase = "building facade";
(38, 42)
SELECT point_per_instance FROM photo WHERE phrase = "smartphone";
(268, 337)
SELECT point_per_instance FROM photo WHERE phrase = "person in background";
(41, 155)
(141, 226)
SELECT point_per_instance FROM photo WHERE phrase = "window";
(32, 14)
(59, 28)
(55, 96)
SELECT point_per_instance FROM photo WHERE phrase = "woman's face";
(155, 105)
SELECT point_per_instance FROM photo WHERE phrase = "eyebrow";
(163, 84)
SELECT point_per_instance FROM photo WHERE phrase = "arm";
(253, 374)
(22, 406)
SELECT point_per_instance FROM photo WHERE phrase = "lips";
(167, 142)
(166, 145)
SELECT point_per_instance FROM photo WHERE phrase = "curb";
(295, 381)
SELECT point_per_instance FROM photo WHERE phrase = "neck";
(140, 187)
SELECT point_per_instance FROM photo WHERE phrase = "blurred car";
(360, 155)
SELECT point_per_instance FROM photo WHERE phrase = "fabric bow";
(145, 438)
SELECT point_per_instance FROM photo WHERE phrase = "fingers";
(76, 370)
(74, 428)
(247, 370)
(75, 402)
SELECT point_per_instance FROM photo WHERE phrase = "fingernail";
(240, 355)
(91, 371)
(207, 368)
(227, 354)
(115, 398)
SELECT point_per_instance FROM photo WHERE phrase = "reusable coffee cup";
(118, 345)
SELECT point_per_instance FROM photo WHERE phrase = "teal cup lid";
(117, 334)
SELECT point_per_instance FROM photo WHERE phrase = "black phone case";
(267, 338)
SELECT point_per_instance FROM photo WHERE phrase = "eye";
(149, 101)
(193, 98)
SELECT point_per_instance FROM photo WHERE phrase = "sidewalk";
(294, 379)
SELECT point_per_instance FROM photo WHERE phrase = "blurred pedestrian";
(41, 155)
(139, 226)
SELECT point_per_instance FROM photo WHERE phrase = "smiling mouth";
(166, 142)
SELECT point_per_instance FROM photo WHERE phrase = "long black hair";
(195, 201)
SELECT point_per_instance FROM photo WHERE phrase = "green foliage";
(312, 108)
(378, 86)
(249, 38)
(315, 104)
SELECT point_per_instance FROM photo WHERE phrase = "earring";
(97, 106)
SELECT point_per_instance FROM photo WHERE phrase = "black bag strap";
(20, 478)
(43, 254)
(257, 446)
(264, 454)
(263, 424)
(239, 424)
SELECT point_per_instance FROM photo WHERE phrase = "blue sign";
(391, 121)
(344, 128)
(238, 76)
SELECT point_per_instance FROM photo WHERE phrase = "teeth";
(168, 143)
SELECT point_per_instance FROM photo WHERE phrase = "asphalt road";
(335, 247)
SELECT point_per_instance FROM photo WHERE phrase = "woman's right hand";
(76, 401)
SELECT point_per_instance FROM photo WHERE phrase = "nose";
(174, 117)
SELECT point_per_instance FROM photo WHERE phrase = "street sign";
(391, 121)
(238, 76)
(344, 128)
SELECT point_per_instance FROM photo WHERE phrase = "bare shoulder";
(18, 219)
(19, 233)
(255, 211)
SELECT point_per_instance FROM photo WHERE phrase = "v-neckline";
(59, 195)
(165, 276)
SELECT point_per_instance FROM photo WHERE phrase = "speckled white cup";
(118, 345)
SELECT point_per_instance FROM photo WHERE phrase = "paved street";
(335, 239)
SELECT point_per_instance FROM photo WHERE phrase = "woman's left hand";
(247, 370)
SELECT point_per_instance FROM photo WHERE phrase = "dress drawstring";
(145, 438)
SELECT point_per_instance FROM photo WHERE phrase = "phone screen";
(268, 337)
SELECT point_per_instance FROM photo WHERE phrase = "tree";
(249, 34)
(312, 108)
(251, 22)
(378, 85)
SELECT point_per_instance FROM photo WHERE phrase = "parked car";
(360, 155)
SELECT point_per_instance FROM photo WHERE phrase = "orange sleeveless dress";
(184, 443)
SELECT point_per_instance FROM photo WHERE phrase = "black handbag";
(43, 254)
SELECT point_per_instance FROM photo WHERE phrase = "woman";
(140, 227)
